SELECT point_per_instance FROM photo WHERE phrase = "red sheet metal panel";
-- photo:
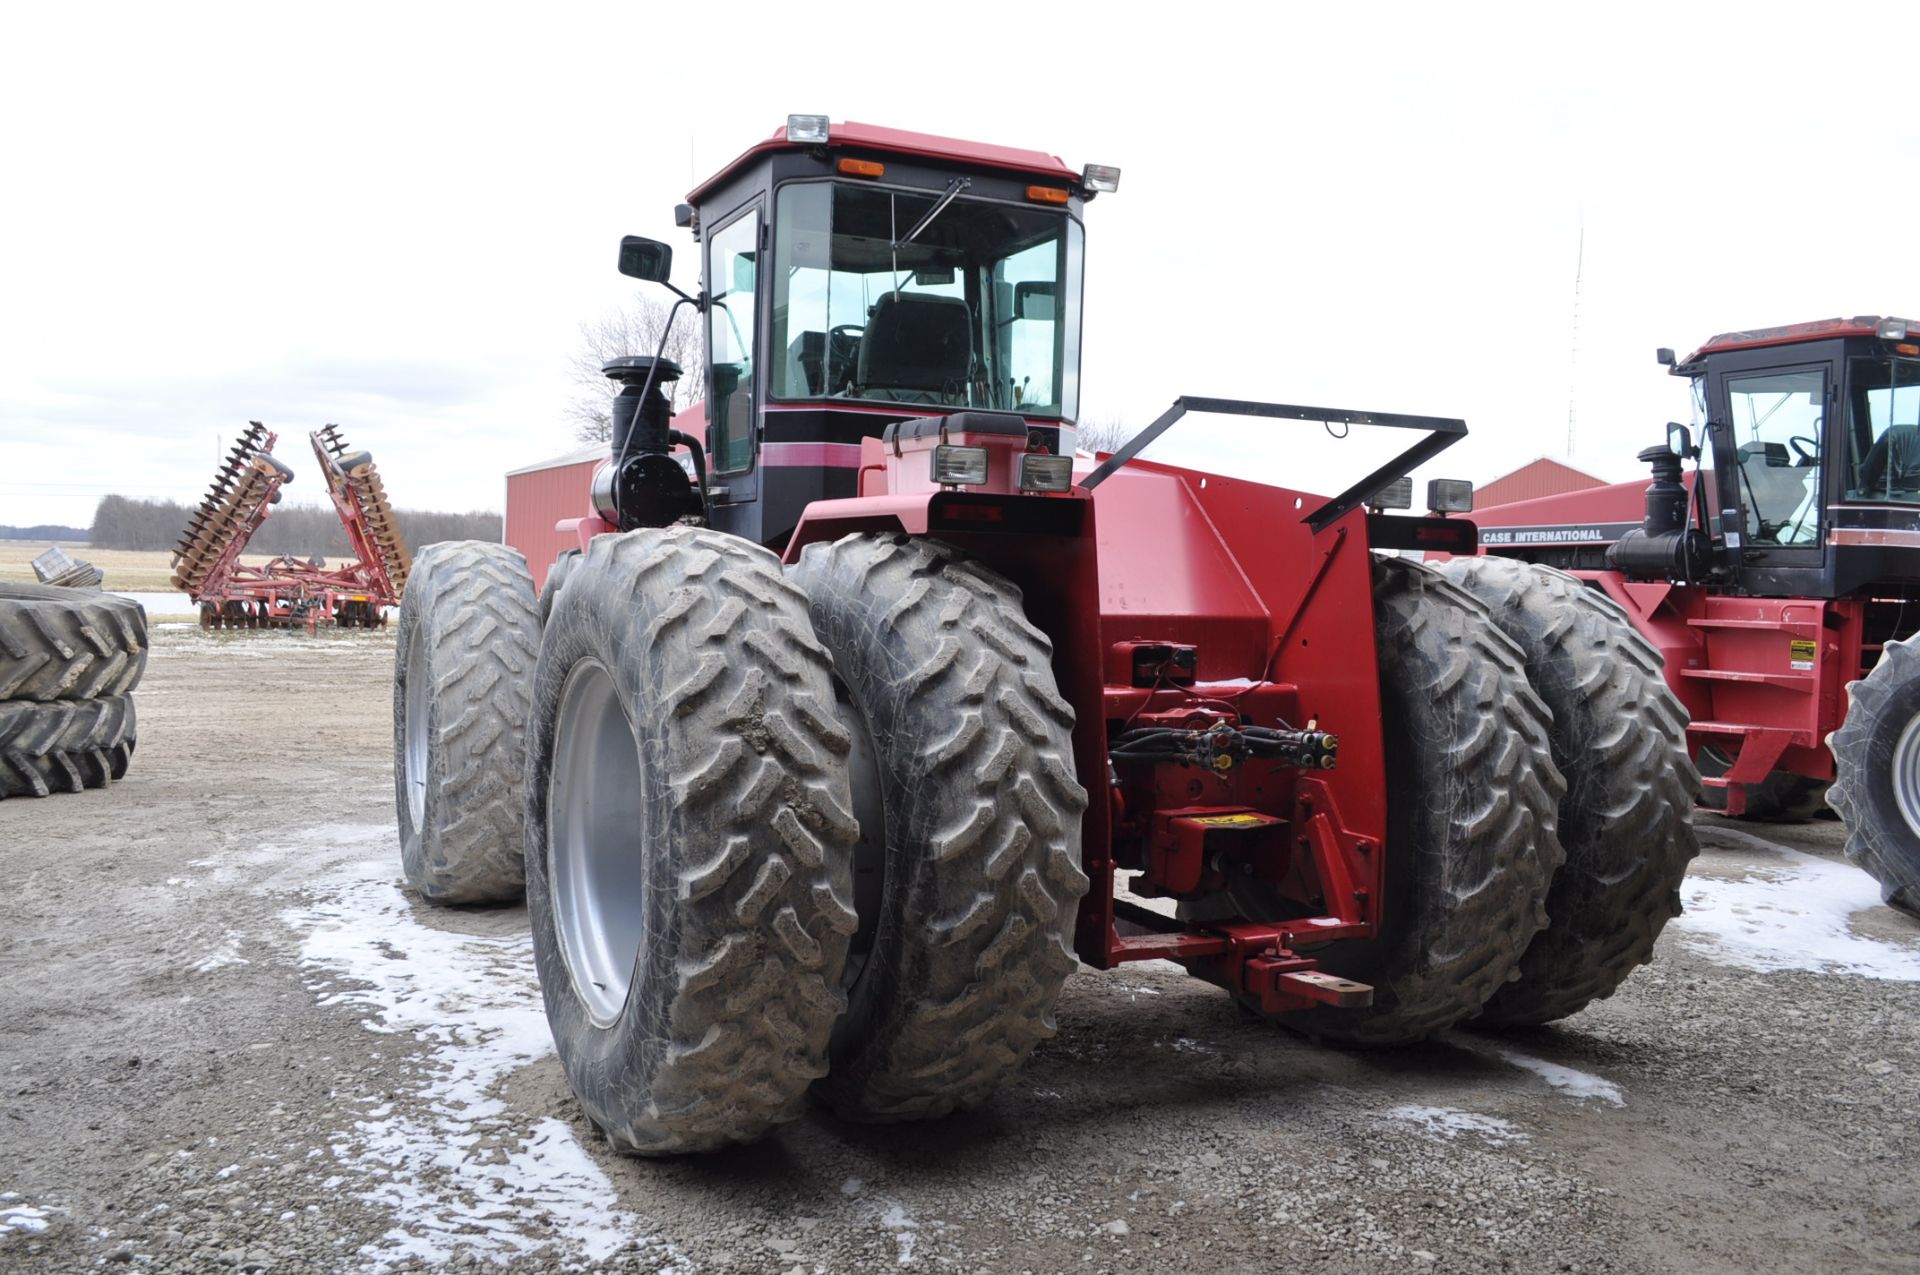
(539, 498)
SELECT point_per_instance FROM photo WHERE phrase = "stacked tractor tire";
(69, 662)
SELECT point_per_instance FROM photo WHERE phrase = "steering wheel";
(1807, 449)
(850, 334)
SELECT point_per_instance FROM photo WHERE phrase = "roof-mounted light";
(807, 130)
(1100, 177)
(1891, 330)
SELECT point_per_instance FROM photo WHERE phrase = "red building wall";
(539, 498)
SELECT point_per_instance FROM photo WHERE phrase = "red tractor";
(867, 709)
(1780, 579)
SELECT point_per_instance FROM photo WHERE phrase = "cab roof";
(1791, 334)
(896, 141)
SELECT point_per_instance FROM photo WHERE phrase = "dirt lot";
(228, 1041)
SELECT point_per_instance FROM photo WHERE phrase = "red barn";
(1536, 478)
(539, 496)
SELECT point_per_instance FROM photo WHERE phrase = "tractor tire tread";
(983, 828)
(69, 644)
(1879, 841)
(756, 871)
(1457, 704)
(1620, 741)
(476, 603)
(64, 745)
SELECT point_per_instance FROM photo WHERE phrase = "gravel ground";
(229, 1042)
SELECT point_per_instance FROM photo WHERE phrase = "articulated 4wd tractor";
(1782, 583)
(867, 708)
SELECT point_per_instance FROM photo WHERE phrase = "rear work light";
(807, 130)
(1397, 494)
(1450, 496)
(1039, 472)
(1100, 177)
(959, 466)
(1891, 330)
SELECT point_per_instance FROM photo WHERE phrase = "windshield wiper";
(939, 206)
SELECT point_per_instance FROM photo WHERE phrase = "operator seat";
(916, 341)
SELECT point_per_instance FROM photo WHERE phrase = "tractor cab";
(853, 277)
(1812, 432)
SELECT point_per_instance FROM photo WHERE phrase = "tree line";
(120, 522)
(42, 531)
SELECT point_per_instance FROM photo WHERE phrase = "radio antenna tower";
(1573, 337)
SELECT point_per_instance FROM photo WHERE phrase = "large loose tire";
(1782, 797)
(1620, 740)
(964, 945)
(689, 840)
(69, 644)
(1876, 785)
(64, 745)
(463, 668)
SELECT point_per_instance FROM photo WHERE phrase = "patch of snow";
(1576, 1084)
(1450, 1122)
(889, 1214)
(472, 1004)
(1791, 915)
(228, 953)
(226, 1173)
(20, 1218)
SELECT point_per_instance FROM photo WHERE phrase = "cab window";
(732, 275)
(1777, 419)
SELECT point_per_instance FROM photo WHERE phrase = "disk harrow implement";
(289, 590)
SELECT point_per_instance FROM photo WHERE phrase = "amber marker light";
(862, 167)
(1046, 194)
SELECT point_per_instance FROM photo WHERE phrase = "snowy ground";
(231, 1042)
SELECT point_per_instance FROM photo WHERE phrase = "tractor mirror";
(1034, 300)
(1664, 355)
(648, 260)
(1679, 439)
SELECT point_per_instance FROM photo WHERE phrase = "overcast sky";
(395, 217)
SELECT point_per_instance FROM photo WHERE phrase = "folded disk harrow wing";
(290, 590)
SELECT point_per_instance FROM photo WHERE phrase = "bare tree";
(633, 329)
(1103, 433)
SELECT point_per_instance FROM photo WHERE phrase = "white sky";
(395, 216)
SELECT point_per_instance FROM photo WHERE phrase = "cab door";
(1777, 419)
(733, 392)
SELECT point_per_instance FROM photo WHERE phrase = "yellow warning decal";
(1801, 653)
(1230, 821)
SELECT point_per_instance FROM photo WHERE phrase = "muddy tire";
(556, 579)
(966, 941)
(463, 668)
(1876, 785)
(689, 840)
(1620, 740)
(1473, 808)
(1782, 797)
(64, 745)
(65, 644)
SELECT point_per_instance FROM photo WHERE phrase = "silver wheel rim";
(1905, 772)
(596, 841)
(418, 682)
(870, 852)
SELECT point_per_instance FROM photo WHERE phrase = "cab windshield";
(981, 309)
(1883, 430)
